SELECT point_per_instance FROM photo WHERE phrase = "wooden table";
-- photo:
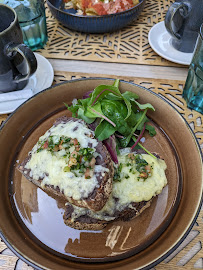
(161, 76)
(120, 69)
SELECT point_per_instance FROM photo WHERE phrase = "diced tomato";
(127, 4)
(72, 161)
(87, 173)
(99, 8)
(74, 154)
(131, 156)
(148, 168)
(60, 146)
(85, 4)
(143, 175)
(102, 8)
(56, 148)
(92, 162)
(75, 141)
(45, 145)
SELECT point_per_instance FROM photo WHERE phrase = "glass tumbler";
(32, 19)
(193, 89)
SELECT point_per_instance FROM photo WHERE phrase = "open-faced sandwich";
(69, 162)
(95, 161)
(137, 180)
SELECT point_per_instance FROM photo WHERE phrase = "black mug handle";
(27, 54)
(172, 11)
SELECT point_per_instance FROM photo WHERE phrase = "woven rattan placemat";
(129, 45)
(189, 255)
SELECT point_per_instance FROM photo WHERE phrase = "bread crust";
(85, 222)
(96, 199)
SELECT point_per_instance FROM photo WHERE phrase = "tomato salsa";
(100, 7)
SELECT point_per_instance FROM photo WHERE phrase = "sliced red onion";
(110, 144)
(87, 94)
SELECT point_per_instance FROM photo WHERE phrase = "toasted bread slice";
(138, 179)
(69, 162)
(89, 220)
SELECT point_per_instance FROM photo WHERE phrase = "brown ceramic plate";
(31, 221)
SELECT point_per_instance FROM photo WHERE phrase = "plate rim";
(198, 207)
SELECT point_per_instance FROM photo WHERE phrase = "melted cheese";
(107, 212)
(134, 189)
(50, 167)
(71, 129)
(130, 190)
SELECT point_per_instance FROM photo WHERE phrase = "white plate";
(160, 41)
(40, 80)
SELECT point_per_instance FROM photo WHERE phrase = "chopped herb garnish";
(117, 172)
(140, 163)
(135, 163)
(78, 160)
(66, 169)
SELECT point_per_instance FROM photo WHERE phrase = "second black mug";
(183, 20)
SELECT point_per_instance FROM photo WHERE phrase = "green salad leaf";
(104, 130)
(115, 113)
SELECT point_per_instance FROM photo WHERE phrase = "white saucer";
(160, 41)
(39, 81)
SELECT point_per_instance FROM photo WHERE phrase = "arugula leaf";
(114, 106)
(101, 91)
(116, 83)
(104, 130)
(81, 115)
(128, 104)
(138, 117)
(116, 111)
(130, 95)
(90, 113)
(151, 129)
(144, 106)
(111, 96)
(84, 102)
(73, 109)
(128, 138)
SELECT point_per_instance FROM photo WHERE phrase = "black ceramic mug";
(17, 61)
(183, 20)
